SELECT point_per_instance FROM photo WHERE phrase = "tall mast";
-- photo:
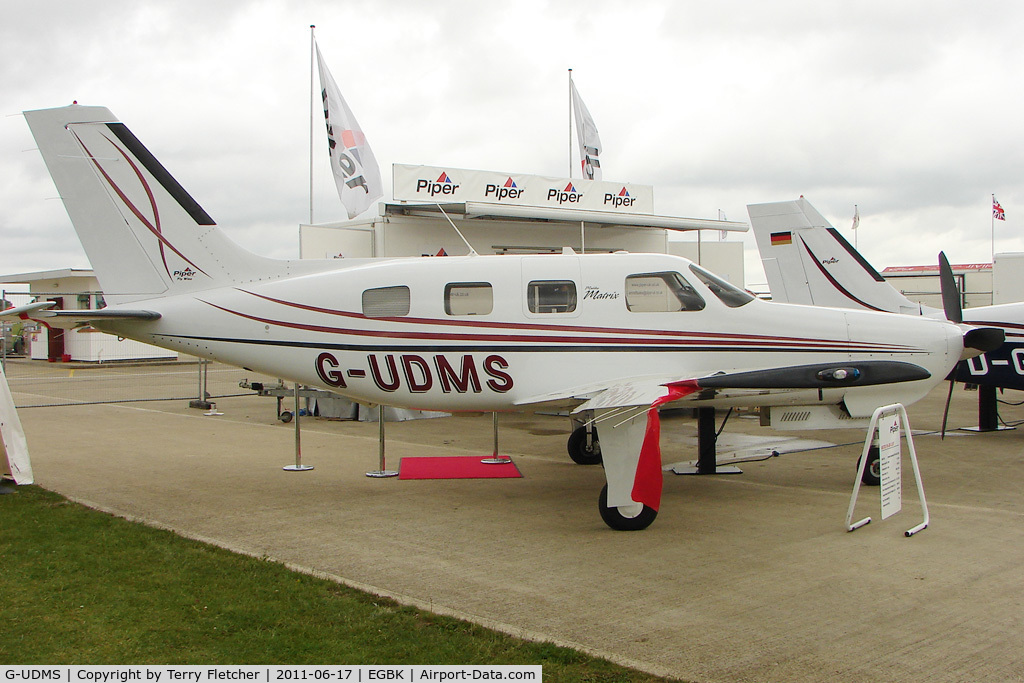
(570, 123)
(312, 111)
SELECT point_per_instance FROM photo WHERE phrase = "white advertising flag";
(586, 135)
(354, 166)
(14, 458)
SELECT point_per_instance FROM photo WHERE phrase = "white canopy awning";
(488, 210)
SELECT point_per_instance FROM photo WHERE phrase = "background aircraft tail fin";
(144, 234)
(807, 261)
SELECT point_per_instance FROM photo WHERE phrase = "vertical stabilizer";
(143, 233)
(807, 261)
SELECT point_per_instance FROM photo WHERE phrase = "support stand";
(889, 447)
(988, 411)
(496, 459)
(707, 451)
(298, 466)
(707, 441)
(383, 471)
(203, 400)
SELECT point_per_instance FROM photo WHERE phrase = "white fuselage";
(473, 333)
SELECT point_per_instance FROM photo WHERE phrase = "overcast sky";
(910, 109)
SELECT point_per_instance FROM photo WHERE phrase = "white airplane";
(808, 262)
(610, 336)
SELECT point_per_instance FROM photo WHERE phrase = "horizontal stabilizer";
(104, 314)
(72, 319)
(25, 311)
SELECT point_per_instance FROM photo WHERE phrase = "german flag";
(781, 238)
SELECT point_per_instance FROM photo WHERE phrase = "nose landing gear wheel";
(582, 452)
(873, 471)
(614, 518)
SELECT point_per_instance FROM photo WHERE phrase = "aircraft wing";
(647, 390)
(626, 413)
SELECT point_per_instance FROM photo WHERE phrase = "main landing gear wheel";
(579, 451)
(616, 520)
(873, 471)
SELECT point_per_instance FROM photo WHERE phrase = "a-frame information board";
(888, 425)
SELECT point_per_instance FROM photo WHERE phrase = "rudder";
(144, 234)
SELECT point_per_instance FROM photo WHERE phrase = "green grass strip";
(78, 586)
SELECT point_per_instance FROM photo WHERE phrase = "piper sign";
(429, 184)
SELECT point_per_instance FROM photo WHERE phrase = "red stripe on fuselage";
(679, 339)
(675, 336)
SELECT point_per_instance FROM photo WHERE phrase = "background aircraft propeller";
(951, 304)
(951, 301)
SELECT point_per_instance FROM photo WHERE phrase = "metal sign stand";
(896, 410)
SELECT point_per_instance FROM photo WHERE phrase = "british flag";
(997, 211)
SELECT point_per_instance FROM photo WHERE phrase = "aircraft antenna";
(472, 251)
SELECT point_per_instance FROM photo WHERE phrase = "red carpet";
(462, 467)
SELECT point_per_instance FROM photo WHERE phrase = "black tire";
(873, 471)
(613, 518)
(580, 453)
(285, 417)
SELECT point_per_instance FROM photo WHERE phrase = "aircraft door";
(848, 336)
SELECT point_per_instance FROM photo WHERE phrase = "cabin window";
(386, 302)
(551, 296)
(729, 294)
(468, 298)
(661, 292)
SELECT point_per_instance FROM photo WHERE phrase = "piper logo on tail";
(443, 185)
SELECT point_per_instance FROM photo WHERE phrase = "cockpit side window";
(661, 292)
(729, 294)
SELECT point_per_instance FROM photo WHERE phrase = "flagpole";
(583, 237)
(856, 219)
(312, 111)
(570, 123)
